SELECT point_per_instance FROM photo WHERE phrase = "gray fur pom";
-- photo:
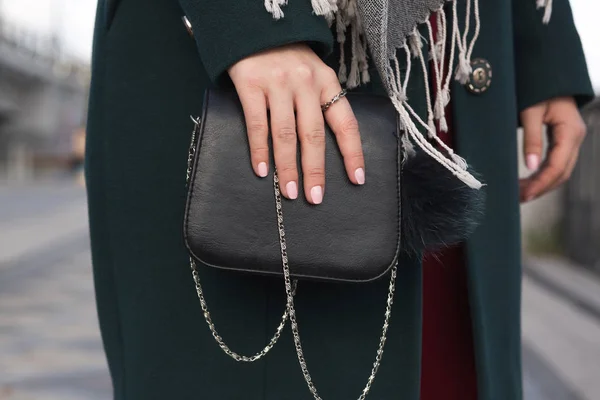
(438, 209)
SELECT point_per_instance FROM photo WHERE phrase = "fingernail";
(262, 169)
(533, 162)
(359, 174)
(316, 193)
(292, 190)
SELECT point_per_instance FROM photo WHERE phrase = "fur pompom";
(437, 209)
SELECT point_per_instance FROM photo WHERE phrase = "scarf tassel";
(547, 6)
(275, 7)
(346, 15)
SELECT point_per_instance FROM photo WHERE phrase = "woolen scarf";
(385, 29)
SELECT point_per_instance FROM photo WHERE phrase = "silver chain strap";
(219, 339)
(290, 290)
(200, 292)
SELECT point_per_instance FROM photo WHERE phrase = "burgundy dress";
(448, 359)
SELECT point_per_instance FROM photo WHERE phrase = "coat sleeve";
(549, 57)
(227, 31)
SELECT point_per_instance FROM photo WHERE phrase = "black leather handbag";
(235, 220)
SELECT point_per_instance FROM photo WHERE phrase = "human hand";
(566, 131)
(292, 79)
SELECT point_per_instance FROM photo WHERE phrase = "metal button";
(188, 25)
(481, 77)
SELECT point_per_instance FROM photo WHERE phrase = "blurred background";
(50, 345)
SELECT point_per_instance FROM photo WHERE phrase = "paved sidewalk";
(561, 321)
(579, 286)
(50, 346)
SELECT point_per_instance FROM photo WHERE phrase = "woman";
(149, 76)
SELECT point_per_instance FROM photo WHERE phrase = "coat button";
(188, 26)
(481, 77)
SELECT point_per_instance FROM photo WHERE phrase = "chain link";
(290, 290)
(292, 311)
(200, 292)
(192, 150)
(219, 339)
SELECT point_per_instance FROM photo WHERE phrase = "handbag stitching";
(190, 197)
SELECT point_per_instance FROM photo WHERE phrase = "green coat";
(149, 76)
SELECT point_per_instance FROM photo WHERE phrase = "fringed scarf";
(384, 29)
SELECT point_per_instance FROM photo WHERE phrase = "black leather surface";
(230, 220)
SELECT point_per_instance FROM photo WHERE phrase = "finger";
(555, 167)
(570, 167)
(568, 124)
(255, 112)
(311, 131)
(344, 125)
(532, 120)
(283, 131)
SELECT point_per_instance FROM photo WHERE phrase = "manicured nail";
(533, 162)
(262, 169)
(316, 193)
(292, 190)
(359, 174)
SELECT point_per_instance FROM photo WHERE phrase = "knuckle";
(354, 155)
(252, 81)
(248, 77)
(279, 75)
(554, 169)
(349, 126)
(286, 134)
(315, 137)
(287, 168)
(537, 150)
(315, 173)
(533, 142)
(304, 73)
(258, 151)
(257, 126)
(557, 172)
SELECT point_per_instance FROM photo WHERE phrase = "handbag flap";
(231, 221)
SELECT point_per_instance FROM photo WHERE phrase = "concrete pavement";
(50, 348)
(561, 321)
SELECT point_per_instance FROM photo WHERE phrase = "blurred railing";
(582, 211)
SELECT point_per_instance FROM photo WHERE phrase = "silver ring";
(325, 107)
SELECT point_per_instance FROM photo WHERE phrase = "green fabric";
(147, 79)
(222, 40)
(485, 129)
(549, 59)
(538, 67)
